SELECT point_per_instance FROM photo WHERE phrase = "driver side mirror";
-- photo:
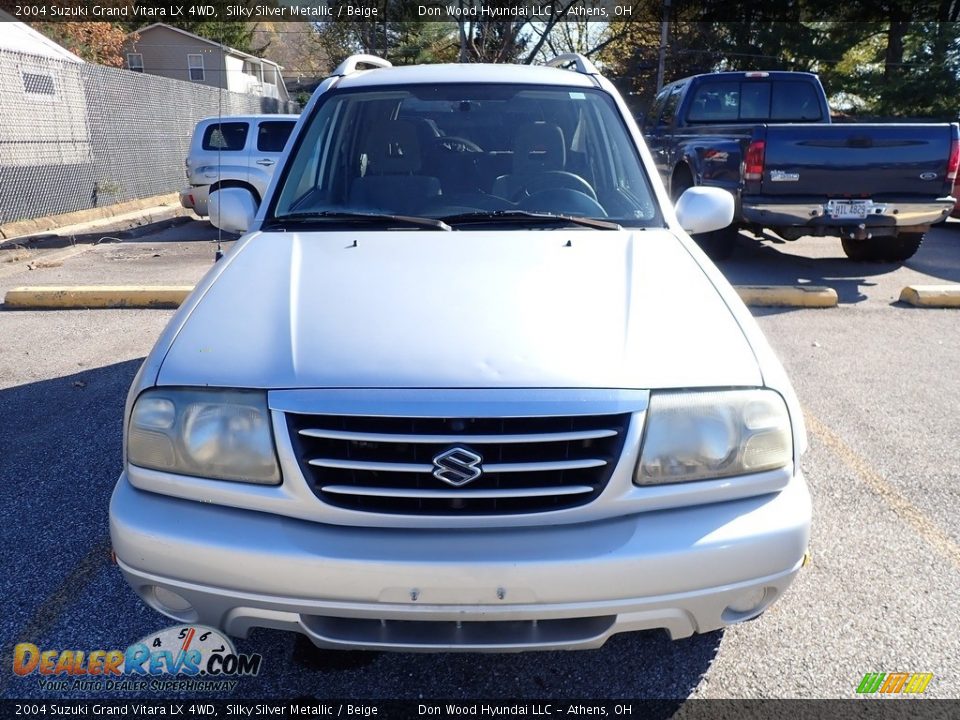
(704, 209)
(232, 209)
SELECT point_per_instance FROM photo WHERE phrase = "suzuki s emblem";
(457, 466)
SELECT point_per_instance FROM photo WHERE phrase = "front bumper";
(769, 212)
(486, 589)
(195, 197)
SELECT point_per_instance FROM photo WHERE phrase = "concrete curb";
(21, 228)
(936, 296)
(96, 296)
(809, 296)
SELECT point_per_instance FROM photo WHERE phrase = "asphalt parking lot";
(879, 382)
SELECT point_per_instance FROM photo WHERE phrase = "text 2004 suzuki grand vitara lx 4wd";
(466, 384)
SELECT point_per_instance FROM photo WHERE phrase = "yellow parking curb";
(816, 296)
(97, 296)
(938, 296)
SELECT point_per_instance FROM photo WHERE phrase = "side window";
(229, 136)
(39, 84)
(670, 107)
(653, 116)
(272, 135)
(195, 64)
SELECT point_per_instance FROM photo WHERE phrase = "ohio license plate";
(849, 209)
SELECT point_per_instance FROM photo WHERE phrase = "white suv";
(465, 384)
(233, 151)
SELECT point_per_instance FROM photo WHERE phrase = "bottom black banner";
(892, 709)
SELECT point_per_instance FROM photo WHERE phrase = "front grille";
(386, 464)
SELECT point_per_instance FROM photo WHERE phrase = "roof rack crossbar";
(350, 64)
(582, 64)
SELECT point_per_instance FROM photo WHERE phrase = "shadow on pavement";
(763, 262)
(60, 456)
(645, 665)
(939, 256)
(760, 263)
(55, 240)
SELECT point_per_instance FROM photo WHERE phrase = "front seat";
(537, 148)
(390, 164)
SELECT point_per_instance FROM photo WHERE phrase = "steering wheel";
(554, 180)
(563, 201)
(456, 144)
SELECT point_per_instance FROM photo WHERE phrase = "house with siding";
(161, 49)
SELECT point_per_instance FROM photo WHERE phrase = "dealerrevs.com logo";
(180, 658)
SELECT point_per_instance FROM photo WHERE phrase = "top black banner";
(523, 11)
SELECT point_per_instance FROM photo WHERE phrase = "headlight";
(705, 435)
(208, 433)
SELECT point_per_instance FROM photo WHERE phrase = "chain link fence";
(76, 136)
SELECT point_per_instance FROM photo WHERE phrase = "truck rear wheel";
(884, 249)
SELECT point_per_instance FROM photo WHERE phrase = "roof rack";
(350, 64)
(582, 64)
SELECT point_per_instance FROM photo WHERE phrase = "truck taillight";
(954, 162)
(753, 162)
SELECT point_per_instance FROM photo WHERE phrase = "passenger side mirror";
(232, 209)
(704, 209)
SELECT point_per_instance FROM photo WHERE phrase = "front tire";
(884, 249)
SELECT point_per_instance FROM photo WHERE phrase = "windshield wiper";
(358, 217)
(529, 217)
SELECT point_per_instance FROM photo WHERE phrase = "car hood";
(471, 309)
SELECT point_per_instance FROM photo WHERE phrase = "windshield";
(467, 154)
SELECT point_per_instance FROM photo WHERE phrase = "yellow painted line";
(97, 296)
(816, 296)
(938, 296)
(906, 510)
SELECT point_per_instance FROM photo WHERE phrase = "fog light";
(748, 603)
(172, 604)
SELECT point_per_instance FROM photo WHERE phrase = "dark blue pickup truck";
(767, 138)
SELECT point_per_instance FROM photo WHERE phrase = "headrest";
(392, 148)
(539, 146)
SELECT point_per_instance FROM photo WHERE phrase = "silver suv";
(233, 151)
(465, 384)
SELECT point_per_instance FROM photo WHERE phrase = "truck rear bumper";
(884, 213)
(687, 570)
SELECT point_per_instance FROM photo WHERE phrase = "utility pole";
(461, 26)
(664, 30)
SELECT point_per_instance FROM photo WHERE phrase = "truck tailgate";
(858, 160)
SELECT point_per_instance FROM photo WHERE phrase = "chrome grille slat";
(385, 464)
(487, 467)
(370, 466)
(468, 439)
(460, 494)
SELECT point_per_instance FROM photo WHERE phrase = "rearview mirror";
(232, 209)
(704, 209)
